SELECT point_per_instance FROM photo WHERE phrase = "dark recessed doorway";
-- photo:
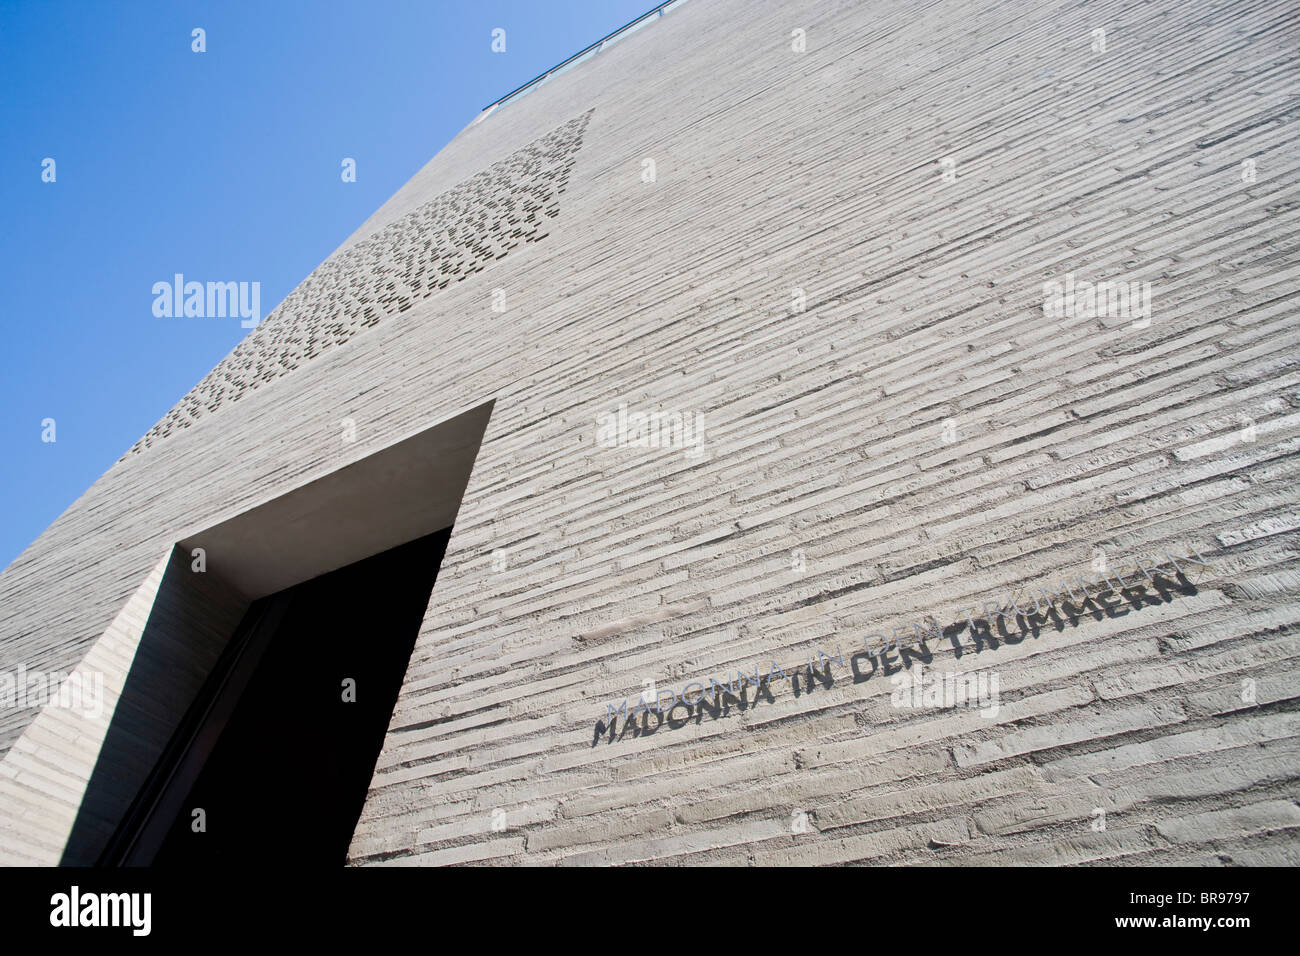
(279, 748)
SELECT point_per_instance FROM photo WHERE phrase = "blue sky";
(222, 165)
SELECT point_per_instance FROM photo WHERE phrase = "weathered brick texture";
(919, 439)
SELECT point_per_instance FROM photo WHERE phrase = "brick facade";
(894, 431)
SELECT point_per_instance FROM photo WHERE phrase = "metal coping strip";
(656, 11)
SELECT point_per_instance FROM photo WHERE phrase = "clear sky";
(222, 165)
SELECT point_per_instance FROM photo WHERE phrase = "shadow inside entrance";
(272, 761)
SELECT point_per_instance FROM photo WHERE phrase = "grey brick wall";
(919, 439)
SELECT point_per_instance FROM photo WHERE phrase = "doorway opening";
(246, 643)
(272, 761)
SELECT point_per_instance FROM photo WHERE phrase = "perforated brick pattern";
(446, 240)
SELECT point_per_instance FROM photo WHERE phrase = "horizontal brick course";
(921, 434)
